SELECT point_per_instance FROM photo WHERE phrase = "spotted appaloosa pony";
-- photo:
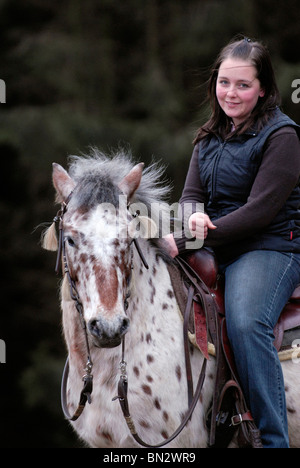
(106, 268)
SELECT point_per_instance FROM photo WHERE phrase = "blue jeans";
(257, 286)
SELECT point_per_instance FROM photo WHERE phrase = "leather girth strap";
(227, 396)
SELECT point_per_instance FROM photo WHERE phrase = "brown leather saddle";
(288, 326)
(199, 291)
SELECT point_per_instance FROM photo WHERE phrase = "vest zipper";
(214, 169)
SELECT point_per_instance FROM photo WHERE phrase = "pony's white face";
(98, 250)
(98, 255)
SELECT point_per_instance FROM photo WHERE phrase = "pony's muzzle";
(108, 333)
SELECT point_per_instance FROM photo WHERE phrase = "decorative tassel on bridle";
(49, 240)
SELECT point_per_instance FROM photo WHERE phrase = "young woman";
(245, 169)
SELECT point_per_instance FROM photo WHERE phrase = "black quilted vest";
(227, 172)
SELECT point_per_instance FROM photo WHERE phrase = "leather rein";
(85, 395)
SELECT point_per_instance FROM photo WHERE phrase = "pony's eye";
(70, 241)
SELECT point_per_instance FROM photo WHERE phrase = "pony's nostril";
(93, 327)
(124, 325)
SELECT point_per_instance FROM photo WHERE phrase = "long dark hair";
(256, 53)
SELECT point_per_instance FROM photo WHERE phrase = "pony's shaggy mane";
(99, 175)
(114, 168)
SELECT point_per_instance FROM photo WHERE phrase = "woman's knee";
(240, 324)
(244, 318)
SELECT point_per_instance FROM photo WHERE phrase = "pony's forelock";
(152, 192)
(115, 167)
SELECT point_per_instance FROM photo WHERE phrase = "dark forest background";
(103, 73)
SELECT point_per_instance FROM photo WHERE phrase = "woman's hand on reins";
(199, 224)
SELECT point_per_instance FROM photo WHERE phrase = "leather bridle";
(87, 377)
(85, 395)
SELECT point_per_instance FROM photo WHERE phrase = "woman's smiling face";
(238, 89)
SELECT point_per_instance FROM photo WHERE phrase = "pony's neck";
(151, 291)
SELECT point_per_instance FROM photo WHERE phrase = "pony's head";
(98, 227)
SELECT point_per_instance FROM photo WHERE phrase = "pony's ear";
(130, 183)
(62, 182)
